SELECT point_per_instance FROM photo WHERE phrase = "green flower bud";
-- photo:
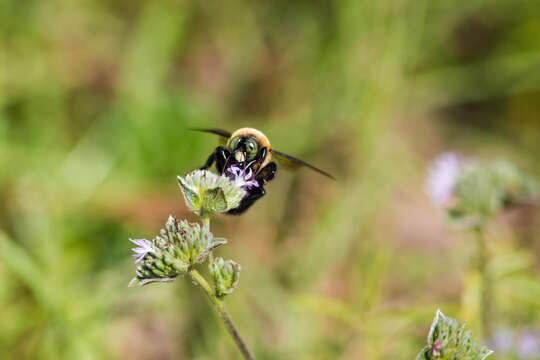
(472, 191)
(206, 193)
(483, 189)
(179, 246)
(226, 274)
(450, 340)
(516, 188)
(478, 194)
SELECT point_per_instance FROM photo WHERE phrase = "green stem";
(485, 284)
(219, 306)
(206, 221)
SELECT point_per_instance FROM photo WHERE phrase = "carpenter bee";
(247, 153)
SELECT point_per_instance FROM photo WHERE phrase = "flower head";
(206, 193)
(144, 247)
(242, 177)
(474, 191)
(442, 178)
(178, 246)
(450, 340)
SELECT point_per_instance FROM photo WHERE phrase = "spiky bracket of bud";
(226, 275)
(450, 340)
(179, 246)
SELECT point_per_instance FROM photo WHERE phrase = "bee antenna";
(226, 163)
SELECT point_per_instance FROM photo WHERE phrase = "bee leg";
(209, 162)
(267, 173)
(261, 155)
(259, 159)
(252, 196)
(219, 155)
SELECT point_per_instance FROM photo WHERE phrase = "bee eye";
(234, 143)
(252, 149)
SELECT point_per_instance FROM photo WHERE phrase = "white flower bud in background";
(471, 191)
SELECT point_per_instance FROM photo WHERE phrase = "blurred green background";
(95, 100)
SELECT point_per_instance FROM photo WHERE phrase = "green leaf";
(141, 282)
(191, 197)
(215, 201)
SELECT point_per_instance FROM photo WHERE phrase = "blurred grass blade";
(20, 263)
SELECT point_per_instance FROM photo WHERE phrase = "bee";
(246, 153)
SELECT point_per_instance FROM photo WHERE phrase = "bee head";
(249, 147)
(243, 148)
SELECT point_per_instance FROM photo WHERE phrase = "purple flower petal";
(144, 248)
(528, 345)
(442, 178)
(502, 340)
(235, 171)
(251, 183)
(242, 177)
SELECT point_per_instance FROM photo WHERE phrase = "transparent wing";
(293, 163)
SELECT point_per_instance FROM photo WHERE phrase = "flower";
(450, 340)
(144, 248)
(442, 178)
(473, 191)
(206, 193)
(241, 177)
(528, 344)
(178, 247)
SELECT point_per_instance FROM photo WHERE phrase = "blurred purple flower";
(502, 340)
(442, 178)
(144, 248)
(528, 344)
(241, 177)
